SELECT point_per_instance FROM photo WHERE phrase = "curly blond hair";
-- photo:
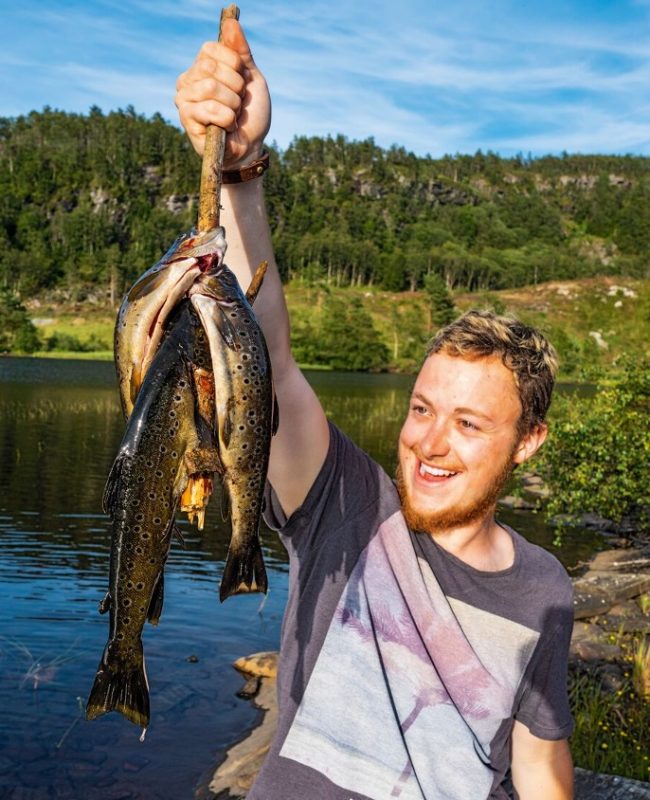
(525, 351)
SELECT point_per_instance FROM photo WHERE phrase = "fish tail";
(120, 686)
(244, 571)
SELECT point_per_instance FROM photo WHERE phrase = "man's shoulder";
(544, 574)
(356, 461)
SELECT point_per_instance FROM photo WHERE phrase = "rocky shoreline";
(612, 602)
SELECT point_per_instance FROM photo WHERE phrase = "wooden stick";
(212, 167)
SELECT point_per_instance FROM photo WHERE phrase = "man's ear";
(530, 443)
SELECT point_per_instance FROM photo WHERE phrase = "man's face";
(459, 442)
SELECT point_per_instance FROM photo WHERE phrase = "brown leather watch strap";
(249, 171)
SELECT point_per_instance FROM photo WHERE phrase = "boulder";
(595, 652)
(596, 786)
(263, 665)
(236, 773)
(596, 592)
(512, 501)
(633, 559)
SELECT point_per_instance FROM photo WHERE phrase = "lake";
(60, 427)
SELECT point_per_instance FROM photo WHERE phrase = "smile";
(435, 472)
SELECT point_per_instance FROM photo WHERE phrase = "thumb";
(232, 35)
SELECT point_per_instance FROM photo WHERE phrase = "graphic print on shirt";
(407, 683)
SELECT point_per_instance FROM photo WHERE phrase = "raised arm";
(224, 87)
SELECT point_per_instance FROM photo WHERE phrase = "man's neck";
(484, 544)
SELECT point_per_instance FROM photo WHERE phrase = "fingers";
(209, 93)
(215, 61)
(223, 87)
(232, 35)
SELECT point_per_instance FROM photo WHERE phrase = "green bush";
(349, 339)
(68, 342)
(17, 331)
(596, 459)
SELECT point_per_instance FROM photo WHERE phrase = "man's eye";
(467, 425)
(418, 409)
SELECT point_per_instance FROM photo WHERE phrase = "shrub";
(599, 448)
(17, 331)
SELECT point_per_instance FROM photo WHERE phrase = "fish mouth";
(207, 247)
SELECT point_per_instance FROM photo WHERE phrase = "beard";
(463, 513)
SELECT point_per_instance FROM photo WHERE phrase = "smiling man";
(424, 644)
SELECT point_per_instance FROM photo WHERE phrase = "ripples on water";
(60, 426)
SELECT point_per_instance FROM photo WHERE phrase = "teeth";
(438, 473)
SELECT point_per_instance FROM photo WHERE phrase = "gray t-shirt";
(401, 667)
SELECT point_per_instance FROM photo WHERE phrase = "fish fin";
(275, 421)
(256, 283)
(228, 426)
(105, 603)
(225, 503)
(244, 571)
(120, 686)
(176, 533)
(114, 484)
(156, 602)
(226, 328)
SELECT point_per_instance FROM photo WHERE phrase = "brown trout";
(166, 439)
(147, 305)
(246, 416)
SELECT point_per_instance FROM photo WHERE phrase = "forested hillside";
(90, 201)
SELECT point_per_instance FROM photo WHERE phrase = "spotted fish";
(166, 440)
(144, 311)
(246, 416)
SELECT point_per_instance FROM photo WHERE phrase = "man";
(424, 646)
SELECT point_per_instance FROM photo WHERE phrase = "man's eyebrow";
(473, 412)
(460, 410)
(418, 396)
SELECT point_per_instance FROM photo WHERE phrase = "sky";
(436, 78)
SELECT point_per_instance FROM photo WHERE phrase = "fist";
(224, 87)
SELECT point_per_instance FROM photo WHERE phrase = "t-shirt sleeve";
(346, 483)
(544, 707)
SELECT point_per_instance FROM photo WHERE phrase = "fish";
(147, 305)
(246, 416)
(166, 440)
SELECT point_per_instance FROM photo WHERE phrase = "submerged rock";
(596, 786)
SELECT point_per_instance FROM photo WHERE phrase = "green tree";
(596, 459)
(441, 304)
(349, 339)
(17, 331)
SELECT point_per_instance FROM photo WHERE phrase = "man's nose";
(435, 441)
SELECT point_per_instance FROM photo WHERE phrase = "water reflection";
(60, 426)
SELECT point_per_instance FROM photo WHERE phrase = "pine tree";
(17, 331)
(441, 304)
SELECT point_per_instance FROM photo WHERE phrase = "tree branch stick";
(212, 167)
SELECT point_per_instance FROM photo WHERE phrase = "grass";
(93, 355)
(641, 668)
(567, 311)
(612, 732)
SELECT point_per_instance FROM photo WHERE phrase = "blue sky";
(538, 77)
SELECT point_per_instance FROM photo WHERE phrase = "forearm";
(300, 445)
(248, 236)
(547, 778)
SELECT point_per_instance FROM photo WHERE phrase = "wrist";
(247, 172)
(253, 153)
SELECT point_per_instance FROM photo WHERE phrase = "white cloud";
(432, 78)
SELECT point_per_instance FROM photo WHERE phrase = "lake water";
(60, 426)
